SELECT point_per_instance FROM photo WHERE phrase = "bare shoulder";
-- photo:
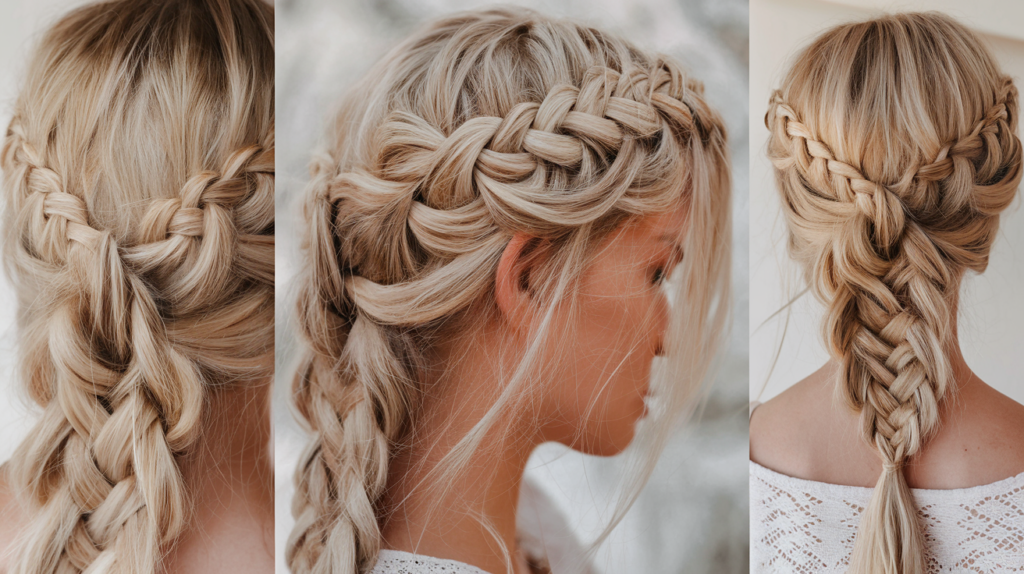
(806, 433)
(1003, 418)
(980, 440)
(773, 427)
(13, 518)
(790, 433)
(1010, 416)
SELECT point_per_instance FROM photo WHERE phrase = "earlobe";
(512, 289)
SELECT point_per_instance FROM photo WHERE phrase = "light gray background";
(692, 517)
(991, 321)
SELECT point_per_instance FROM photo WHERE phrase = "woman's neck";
(468, 515)
(229, 477)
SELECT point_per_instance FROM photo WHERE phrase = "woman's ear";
(512, 283)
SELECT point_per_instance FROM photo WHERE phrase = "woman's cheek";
(605, 363)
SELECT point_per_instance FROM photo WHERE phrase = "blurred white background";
(992, 304)
(692, 517)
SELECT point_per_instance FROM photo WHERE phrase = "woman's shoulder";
(979, 441)
(806, 432)
(795, 432)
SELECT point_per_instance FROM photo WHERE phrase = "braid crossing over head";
(141, 249)
(117, 414)
(886, 211)
(491, 178)
(406, 227)
(904, 362)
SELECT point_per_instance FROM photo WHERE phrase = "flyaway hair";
(477, 127)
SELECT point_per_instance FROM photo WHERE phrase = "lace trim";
(922, 496)
(804, 526)
(399, 562)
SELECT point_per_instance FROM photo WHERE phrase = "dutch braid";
(887, 255)
(405, 233)
(125, 322)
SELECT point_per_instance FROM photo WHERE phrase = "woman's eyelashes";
(658, 276)
(664, 269)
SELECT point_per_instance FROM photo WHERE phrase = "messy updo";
(895, 150)
(478, 127)
(139, 236)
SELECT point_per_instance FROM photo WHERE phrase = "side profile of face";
(603, 345)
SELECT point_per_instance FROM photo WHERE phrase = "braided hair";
(139, 189)
(478, 127)
(895, 149)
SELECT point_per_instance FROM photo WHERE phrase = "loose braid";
(130, 312)
(887, 230)
(410, 212)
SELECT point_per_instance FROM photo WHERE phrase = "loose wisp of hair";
(480, 126)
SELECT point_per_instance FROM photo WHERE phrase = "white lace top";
(803, 526)
(398, 562)
(543, 535)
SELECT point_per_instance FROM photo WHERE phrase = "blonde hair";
(139, 188)
(895, 149)
(477, 127)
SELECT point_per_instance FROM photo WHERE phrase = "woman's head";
(895, 148)
(139, 223)
(499, 176)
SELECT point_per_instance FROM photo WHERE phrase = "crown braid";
(122, 397)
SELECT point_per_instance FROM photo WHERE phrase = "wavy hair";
(895, 150)
(479, 126)
(139, 236)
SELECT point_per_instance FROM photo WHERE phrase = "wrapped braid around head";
(410, 235)
(112, 355)
(495, 176)
(887, 258)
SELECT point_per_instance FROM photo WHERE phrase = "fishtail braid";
(887, 255)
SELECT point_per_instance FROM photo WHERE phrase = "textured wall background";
(991, 308)
(692, 517)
